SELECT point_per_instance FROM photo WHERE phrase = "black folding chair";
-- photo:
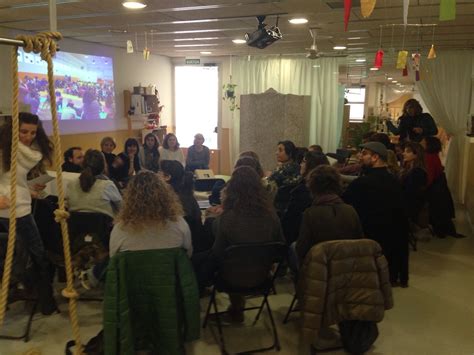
(206, 184)
(246, 270)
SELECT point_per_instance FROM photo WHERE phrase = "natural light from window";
(356, 100)
(196, 104)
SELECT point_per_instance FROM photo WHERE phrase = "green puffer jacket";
(151, 302)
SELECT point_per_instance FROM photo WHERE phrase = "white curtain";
(445, 87)
(298, 76)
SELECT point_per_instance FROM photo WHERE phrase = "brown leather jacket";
(343, 280)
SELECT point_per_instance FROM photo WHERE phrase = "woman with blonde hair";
(139, 227)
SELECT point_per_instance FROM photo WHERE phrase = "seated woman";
(248, 217)
(300, 196)
(93, 191)
(171, 150)
(127, 163)
(150, 156)
(328, 218)
(182, 183)
(286, 175)
(150, 217)
(107, 145)
(198, 154)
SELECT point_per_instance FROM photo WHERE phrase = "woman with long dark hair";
(171, 150)
(149, 155)
(34, 148)
(92, 191)
(127, 163)
(414, 124)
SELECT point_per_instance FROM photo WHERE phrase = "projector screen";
(84, 86)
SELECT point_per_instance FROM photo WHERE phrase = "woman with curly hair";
(139, 227)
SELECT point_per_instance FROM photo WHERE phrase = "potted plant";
(229, 95)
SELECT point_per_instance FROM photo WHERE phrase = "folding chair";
(206, 184)
(246, 270)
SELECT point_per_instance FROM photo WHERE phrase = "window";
(196, 104)
(356, 100)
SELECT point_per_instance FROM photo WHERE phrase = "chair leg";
(219, 326)
(276, 340)
(26, 335)
(206, 317)
(292, 304)
(412, 241)
(260, 310)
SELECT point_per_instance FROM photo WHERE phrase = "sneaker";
(84, 278)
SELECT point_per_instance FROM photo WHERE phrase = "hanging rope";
(45, 44)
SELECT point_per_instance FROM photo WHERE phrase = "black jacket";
(407, 123)
(71, 168)
(414, 191)
(300, 200)
(377, 197)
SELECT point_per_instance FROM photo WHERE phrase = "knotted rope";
(45, 44)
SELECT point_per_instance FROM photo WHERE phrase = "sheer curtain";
(298, 76)
(446, 90)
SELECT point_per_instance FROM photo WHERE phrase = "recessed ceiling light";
(339, 48)
(360, 60)
(374, 69)
(389, 78)
(394, 81)
(206, 52)
(134, 5)
(298, 21)
(353, 38)
(239, 41)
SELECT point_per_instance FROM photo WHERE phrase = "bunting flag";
(366, 7)
(347, 13)
(405, 70)
(416, 65)
(402, 59)
(447, 10)
(432, 53)
(129, 46)
(406, 3)
(379, 59)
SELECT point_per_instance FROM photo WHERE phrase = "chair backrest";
(206, 184)
(246, 266)
(96, 225)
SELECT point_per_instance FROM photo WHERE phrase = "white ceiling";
(179, 28)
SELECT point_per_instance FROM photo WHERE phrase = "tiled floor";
(435, 315)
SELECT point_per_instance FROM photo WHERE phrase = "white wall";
(129, 71)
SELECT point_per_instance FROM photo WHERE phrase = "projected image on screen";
(84, 86)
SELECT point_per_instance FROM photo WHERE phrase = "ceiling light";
(339, 48)
(389, 78)
(353, 38)
(195, 45)
(360, 60)
(298, 21)
(239, 41)
(394, 81)
(134, 5)
(206, 52)
(374, 69)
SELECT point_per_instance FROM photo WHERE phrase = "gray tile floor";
(435, 315)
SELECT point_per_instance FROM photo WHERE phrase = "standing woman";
(107, 144)
(171, 150)
(127, 163)
(198, 154)
(33, 148)
(414, 125)
(149, 155)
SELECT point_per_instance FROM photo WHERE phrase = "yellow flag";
(432, 53)
(366, 7)
(402, 59)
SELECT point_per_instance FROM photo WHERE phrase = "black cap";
(377, 148)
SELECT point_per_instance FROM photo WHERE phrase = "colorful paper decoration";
(406, 3)
(379, 59)
(146, 54)
(402, 59)
(432, 53)
(447, 10)
(129, 46)
(416, 65)
(347, 13)
(366, 7)
(405, 70)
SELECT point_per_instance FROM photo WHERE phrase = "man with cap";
(377, 197)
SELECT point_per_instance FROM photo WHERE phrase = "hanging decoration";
(366, 7)
(347, 13)
(447, 10)
(146, 51)
(416, 65)
(432, 53)
(129, 46)
(378, 63)
(403, 54)
(229, 90)
(405, 70)
(406, 3)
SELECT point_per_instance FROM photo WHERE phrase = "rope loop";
(69, 293)
(43, 43)
(61, 215)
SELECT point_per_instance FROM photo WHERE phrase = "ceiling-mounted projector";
(263, 37)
